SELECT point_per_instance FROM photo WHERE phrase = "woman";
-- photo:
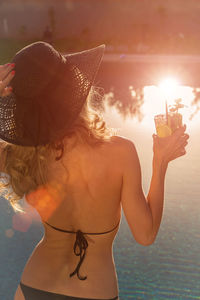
(75, 172)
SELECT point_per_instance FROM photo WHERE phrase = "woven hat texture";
(49, 90)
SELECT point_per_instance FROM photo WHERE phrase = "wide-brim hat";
(49, 90)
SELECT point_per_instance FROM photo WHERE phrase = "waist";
(48, 259)
(50, 272)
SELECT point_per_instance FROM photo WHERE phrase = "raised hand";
(169, 148)
(6, 75)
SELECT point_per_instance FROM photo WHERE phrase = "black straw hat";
(49, 90)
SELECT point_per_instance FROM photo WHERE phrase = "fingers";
(6, 81)
(182, 138)
(182, 141)
(186, 136)
(5, 70)
(179, 148)
(179, 131)
(179, 137)
(171, 147)
(7, 91)
(6, 75)
(178, 154)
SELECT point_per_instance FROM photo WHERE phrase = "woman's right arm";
(144, 214)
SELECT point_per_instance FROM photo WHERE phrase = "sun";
(169, 88)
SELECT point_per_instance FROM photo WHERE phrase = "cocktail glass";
(166, 124)
(162, 127)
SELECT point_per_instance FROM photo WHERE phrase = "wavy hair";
(24, 168)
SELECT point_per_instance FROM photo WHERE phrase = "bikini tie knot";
(80, 247)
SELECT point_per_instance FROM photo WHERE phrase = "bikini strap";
(80, 246)
(90, 233)
(58, 229)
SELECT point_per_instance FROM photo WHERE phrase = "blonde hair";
(26, 168)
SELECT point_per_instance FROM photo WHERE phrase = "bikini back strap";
(90, 233)
(80, 246)
(58, 229)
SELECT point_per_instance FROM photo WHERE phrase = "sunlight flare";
(169, 87)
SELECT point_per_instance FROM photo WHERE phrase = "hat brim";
(81, 59)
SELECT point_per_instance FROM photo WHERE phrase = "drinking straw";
(166, 111)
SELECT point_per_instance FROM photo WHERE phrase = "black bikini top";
(80, 246)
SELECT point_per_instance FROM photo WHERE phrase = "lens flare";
(46, 199)
(169, 87)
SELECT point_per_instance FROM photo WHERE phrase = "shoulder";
(122, 144)
(124, 149)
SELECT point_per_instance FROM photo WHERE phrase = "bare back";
(89, 201)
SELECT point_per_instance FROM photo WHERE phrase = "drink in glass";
(162, 127)
(167, 123)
